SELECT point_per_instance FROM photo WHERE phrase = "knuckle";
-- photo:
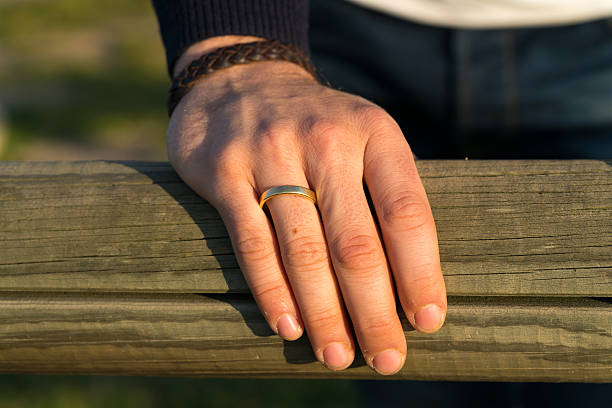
(276, 143)
(265, 289)
(372, 113)
(226, 161)
(358, 252)
(325, 319)
(326, 136)
(329, 145)
(404, 212)
(424, 276)
(306, 252)
(325, 128)
(254, 249)
(375, 118)
(272, 138)
(275, 128)
(377, 327)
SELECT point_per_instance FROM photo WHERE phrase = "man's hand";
(247, 128)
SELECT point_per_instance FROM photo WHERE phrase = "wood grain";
(505, 228)
(119, 268)
(485, 338)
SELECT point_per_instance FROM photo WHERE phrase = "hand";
(247, 128)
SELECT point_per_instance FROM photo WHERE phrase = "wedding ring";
(280, 190)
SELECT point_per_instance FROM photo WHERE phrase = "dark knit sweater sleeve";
(184, 22)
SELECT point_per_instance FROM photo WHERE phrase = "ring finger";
(307, 264)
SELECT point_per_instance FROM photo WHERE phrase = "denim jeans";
(500, 93)
(530, 93)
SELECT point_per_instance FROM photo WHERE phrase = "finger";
(257, 253)
(363, 274)
(307, 264)
(359, 261)
(407, 227)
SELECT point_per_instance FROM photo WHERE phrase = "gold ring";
(295, 190)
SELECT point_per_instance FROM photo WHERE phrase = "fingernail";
(429, 318)
(336, 356)
(288, 328)
(388, 362)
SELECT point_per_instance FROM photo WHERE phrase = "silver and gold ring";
(280, 190)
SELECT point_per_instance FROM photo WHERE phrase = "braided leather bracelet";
(225, 57)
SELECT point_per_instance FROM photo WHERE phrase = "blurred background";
(82, 80)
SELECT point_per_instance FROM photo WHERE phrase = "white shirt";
(493, 13)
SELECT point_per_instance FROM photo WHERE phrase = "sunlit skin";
(247, 128)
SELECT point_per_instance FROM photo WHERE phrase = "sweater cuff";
(185, 22)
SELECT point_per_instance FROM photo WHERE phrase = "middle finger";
(363, 273)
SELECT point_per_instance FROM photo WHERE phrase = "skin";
(332, 271)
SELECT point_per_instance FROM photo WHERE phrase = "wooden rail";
(119, 268)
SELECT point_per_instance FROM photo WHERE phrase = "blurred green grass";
(83, 78)
(34, 391)
(86, 79)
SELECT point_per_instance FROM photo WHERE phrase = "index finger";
(407, 227)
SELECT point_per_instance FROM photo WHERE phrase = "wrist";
(214, 56)
(207, 46)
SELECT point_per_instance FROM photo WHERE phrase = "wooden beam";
(119, 268)
(505, 228)
(485, 338)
